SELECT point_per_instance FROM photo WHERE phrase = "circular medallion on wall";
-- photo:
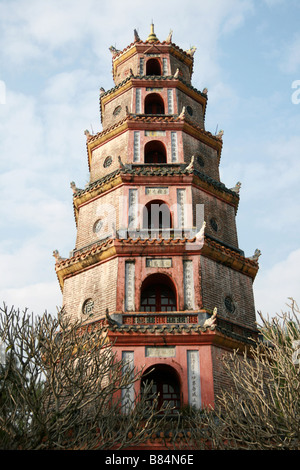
(98, 225)
(190, 110)
(117, 110)
(213, 224)
(200, 161)
(107, 162)
(88, 306)
(229, 304)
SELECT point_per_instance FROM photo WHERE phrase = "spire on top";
(152, 36)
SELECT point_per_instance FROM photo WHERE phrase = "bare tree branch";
(61, 387)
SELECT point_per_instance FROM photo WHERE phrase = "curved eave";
(142, 80)
(138, 174)
(210, 186)
(86, 258)
(177, 335)
(141, 47)
(108, 183)
(137, 121)
(101, 251)
(83, 260)
(218, 252)
(153, 81)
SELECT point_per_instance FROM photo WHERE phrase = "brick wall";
(105, 207)
(163, 136)
(221, 379)
(123, 69)
(111, 148)
(115, 109)
(219, 281)
(133, 63)
(99, 284)
(193, 109)
(184, 69)
(208, 164)
(224, 227)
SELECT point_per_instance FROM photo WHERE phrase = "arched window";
(165, 385)
(158, 294)
(154, 104)
(157, 216)
(155, 152)
(153, 67)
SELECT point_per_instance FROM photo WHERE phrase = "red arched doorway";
(158, 294)
(157, 216)
(155, 152)
(165, 386)
(153, 67)
(154, 104)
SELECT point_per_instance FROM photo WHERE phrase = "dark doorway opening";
(153, 67)
(158, 294)
(165, 386)
(154, 104)
(155, 152)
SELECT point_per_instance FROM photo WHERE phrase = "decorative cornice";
(106, 183)
(172, 121)
(172, 173)
(139, 80)
(83, 259)
(142, 47)
(228, 257)
(102, 250)
(178, 334)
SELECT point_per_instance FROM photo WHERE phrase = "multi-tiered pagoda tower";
(157, 259)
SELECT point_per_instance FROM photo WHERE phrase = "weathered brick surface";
(99, 284)
(175, 64)
(222, 212)
(113, 208)
(221, 379)
(209, 157)
(116, 108)
(112, 148)
(193, 109)
(124, 68)
(219, 281)
(106, 208)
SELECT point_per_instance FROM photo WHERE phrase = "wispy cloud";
(54, 57)
(281, 281)
(290, 56)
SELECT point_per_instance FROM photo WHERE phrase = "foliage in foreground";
(61, 387)
(261, 411)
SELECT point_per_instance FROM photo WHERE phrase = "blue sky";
(54, 57)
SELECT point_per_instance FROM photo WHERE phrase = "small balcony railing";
(152, 233)
(148, 318)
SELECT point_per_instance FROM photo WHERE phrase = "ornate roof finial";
(152, 36)
(169, 38)
(136, 36)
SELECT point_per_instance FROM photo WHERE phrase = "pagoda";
(157, 261)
